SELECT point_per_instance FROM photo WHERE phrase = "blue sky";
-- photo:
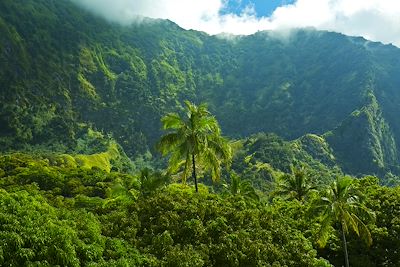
(262, 7)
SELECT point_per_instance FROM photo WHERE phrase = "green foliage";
(265, 158)
(195, 137)
(101, 160)
(242, 188)
(294, 185)
(61, 179)
(384, 201)
(63, 215)
(150, 181)
(61, 67)
(71, 216)
(87, 87)
(35, 233)
(341, 204)
(365, 126)
(219, 232)
(88, 91)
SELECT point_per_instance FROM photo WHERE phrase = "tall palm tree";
(295, 185)
(341, 204)
(194, 140)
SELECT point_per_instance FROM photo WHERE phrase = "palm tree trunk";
(346, 255)
(194, 173)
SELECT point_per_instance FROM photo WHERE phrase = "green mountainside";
(64, 72)
(365, 136)
(264, 157)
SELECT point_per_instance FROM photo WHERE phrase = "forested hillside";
(64, 71)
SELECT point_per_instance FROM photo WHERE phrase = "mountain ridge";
(64, 71)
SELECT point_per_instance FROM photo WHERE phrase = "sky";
(376, 20)
(262, 7)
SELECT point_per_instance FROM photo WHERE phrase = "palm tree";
(151, 180)
(128, 188)
(241, 187)
(194, 139)
(295, 185)
(124, 190)
(342, 204)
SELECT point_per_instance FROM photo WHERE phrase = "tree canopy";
(341, 203)
(194, 138)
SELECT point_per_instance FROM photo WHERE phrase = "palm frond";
(341, 203)
(294, 185)
(324, 232)
(169, 142)
(210, 161)
(171, 121)
(199, 135)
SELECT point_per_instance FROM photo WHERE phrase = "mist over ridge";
(355, 18)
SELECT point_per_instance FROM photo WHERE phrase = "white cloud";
(377, 20)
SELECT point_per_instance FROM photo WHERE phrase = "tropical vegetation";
(293, 147)
(341, 204)
(194, 138)
(54, 214)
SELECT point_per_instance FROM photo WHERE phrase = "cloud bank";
(377, 20)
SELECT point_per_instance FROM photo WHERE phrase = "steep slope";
(364, 142)
(308, 82)
(64, 71)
